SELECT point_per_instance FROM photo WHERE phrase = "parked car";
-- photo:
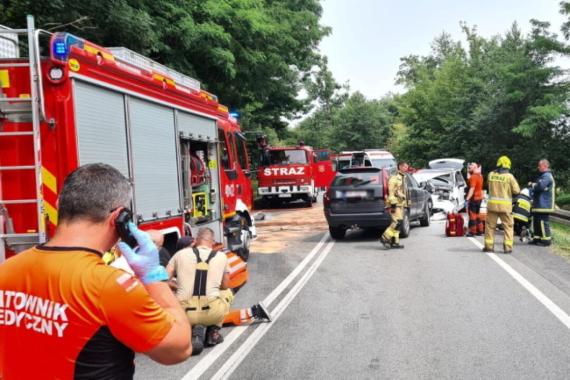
(444, 181)
(357, 198)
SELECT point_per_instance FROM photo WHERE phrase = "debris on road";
(276, 231)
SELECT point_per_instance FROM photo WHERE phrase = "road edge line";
(241, 353)
(206, 362)
(540, 296)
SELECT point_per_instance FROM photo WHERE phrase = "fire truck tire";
(309, 201)
(245, 238)
(337, 233)
(274, 203)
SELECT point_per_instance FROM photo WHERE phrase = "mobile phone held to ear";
(122, 225)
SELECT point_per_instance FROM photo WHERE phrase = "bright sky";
(369, 36)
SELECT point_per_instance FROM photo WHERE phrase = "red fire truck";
(291, 173)
(71, 102)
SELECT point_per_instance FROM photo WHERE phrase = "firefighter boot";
(260, 313)
(396, 243)
(198, 337)
(213, 336)
(385, 242)
(487, 249)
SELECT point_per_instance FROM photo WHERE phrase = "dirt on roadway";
(283, 226)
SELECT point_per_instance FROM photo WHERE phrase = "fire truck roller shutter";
(100, 125)
(155, 166)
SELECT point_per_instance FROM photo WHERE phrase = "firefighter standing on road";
(543, 204)
(397, 199)
(502, 187)
(474, 198)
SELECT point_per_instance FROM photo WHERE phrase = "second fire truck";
(292, 173)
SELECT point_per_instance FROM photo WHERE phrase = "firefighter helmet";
(504, 162)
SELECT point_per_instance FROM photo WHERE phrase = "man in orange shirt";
(474, 198)
(65, 314)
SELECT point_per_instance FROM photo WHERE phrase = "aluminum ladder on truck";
(23, 109)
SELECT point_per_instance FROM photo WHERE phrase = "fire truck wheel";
(245, 238)
(309, 201)
(274, 203)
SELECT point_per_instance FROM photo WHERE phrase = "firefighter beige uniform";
(502, 187)
(199, 273)
(396, 196)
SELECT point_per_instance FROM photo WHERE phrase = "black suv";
(357, 197)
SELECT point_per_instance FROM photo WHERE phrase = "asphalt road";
(438, 309)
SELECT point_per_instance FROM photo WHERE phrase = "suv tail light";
(385, 186)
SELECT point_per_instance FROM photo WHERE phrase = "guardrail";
(561, 216)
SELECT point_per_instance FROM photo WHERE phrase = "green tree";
(502, 95)
(254, 54)
(361, 124)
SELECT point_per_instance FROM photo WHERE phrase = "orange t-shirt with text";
(65, 314)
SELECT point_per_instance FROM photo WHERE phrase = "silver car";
(444, 181)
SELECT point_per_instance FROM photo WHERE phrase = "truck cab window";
(241, 152)
(224, 151)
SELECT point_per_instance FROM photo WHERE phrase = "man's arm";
(175, 347)
(542, 184)
(515, 188)
(470, 193)
(143, 321)
(171, 270)
(225, 281)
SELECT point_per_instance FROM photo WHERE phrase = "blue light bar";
(61, 45)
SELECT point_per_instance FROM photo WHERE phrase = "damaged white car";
(445, 182)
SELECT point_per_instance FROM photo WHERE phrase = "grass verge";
(561, 235)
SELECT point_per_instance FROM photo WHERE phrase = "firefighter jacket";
(397, 190)
(521, 208)
(502, 187)
(543, 194)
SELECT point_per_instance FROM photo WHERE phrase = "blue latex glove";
(144, 259)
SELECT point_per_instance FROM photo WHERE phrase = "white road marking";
(541, 297)
(237, 357)
(206, 362)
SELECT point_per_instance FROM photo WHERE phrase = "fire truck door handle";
(238, 189)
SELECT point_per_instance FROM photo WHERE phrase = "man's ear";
(113, 216)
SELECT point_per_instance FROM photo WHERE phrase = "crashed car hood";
(450, 163)
(426, 175)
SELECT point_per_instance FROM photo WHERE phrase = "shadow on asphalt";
(259, 205)
(363, 235)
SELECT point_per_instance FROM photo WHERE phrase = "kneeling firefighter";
(203, 289)
(397, 199)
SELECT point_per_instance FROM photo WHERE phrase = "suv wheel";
(337, 233)
(424, 221)
(405, 226)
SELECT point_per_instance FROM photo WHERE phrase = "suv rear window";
(357, 179)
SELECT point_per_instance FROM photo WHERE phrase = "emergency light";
(61, 45)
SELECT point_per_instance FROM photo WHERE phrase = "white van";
(379, 158)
